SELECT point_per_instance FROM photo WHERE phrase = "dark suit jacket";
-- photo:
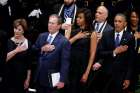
(107, 28)
(119, 67)
(55, 61)
(122, 62)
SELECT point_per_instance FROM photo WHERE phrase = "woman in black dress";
(84, 42)
(18, 63)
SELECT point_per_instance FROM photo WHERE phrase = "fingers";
(96, 66)
(48, 48)
(121, 49)
(60, 85)
(126, 84)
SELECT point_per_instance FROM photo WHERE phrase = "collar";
(120, 34)
(54, 34)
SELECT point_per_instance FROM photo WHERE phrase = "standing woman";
(83, 47)
(18, 63)
(134, 29)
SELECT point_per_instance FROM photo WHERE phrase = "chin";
(17, 36)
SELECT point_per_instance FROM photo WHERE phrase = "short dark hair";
(122, 15)
(58, 17)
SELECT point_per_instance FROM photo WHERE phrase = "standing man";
(54, 52)
(101, 26)
(116, 50)
(100, 23)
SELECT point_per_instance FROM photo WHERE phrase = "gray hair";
(58, 17)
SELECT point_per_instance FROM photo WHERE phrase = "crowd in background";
(94, 45)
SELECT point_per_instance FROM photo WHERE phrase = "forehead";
(101, 9)
(18, 27)
(134, 14)
(53, 19)
(80, 15)
(119, 17)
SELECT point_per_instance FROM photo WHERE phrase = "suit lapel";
(55, 41)
(112, 39)
(124, 38)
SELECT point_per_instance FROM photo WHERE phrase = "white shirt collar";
(101, 25)
(120, 34)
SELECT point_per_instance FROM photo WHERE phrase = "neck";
(53, 32)
(20, 37)
(82, 27)
(68, 5)
(134, 28)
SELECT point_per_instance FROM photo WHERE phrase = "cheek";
(77, 21)
(19, 33)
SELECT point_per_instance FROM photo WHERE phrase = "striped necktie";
(97, 27)
(49, 39)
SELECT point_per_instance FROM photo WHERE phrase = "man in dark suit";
(53, 57)
(101, 26)
(100, 23)
(116, 50)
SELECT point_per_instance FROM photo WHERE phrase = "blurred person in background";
(134, 29)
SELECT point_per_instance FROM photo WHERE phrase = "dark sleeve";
(65, 58)
(29, 56)
(104, 51)
(130, 58)
(37, 46)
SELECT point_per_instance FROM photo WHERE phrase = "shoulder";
(109, 32)
(63, 39)
(44, 34)
(108, 26)
(128, 34)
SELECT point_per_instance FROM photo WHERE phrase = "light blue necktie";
(49, 39)
(97, 27)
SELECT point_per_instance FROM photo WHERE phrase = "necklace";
(18, 41)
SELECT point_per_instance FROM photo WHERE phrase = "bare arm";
(11, 55)
(27, 81)
(93, 45)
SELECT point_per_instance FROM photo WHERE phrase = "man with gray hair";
(100, 22)
(54, 52)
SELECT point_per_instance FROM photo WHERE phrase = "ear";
(125, 24)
